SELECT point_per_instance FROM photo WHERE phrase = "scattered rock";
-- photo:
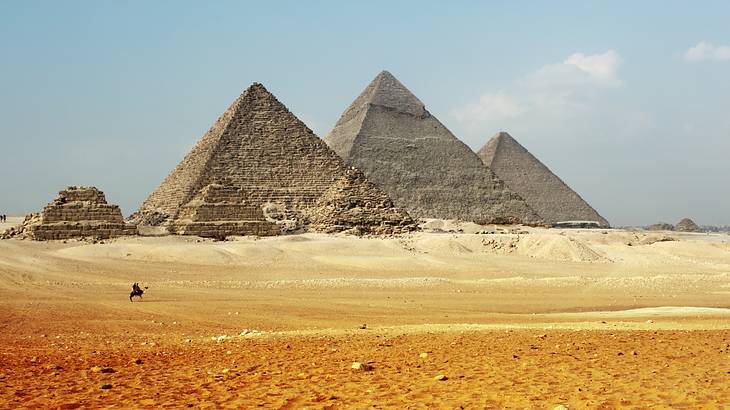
(649, 321)
(423, 355)
(441, 377)
(363, 367)
(53, 367)
(137, 361)
(560, 407)
(34, 359)
(363, 326)
(106, 386)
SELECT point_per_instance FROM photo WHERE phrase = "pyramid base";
(70, 230)
(225, 228)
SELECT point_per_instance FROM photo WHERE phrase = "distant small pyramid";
(687, 225)
(257, 155)
(544, 191)
(389, 135)
(77, 212)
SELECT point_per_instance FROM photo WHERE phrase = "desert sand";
(534, 318)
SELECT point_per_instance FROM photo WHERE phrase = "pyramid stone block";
(544, 191)
(389, 135)
(257, 156)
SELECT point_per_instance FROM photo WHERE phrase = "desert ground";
(457, 316)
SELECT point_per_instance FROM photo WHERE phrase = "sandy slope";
(450, 294)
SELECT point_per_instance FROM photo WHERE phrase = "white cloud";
(578, 70)
(707, 51)
(554, 90)
(490, 107)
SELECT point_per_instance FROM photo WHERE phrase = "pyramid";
(388, 134)
(76, 212)
(687, 225)
(348, 204)
(547, 194)
(256, 158)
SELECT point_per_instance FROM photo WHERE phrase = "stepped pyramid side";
(77, 212)
(180, 185)
(389, 135)
(355, 204)
(544, 191)
(257, 153)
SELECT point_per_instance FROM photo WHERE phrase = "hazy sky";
(628, 102)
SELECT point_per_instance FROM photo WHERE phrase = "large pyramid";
(547, 194)
(254, 172)
(388, 134)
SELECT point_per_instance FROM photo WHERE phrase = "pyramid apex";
(385, 90)
(256, 86)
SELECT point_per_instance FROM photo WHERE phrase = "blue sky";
(628, 102)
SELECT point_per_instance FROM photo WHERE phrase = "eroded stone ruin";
(389, 135)
(77, 212)
(544, 191)
(260, 171)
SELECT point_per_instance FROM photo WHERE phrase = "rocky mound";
(661, 226)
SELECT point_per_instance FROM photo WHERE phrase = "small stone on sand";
(106, 386)
(102, 369)
(423, 355)
(363, 367)
(441, 377)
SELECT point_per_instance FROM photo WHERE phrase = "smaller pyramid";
(77, 212)
(217, 211)
(687, 225)
(354, 204)
(543, 191)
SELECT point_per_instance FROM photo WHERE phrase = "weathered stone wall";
(259, 147)
(389, 135)
(544, 191)
(77, 212)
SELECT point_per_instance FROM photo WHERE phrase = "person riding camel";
(136, 291)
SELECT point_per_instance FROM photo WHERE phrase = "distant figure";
(4, 218)
(136, 291)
